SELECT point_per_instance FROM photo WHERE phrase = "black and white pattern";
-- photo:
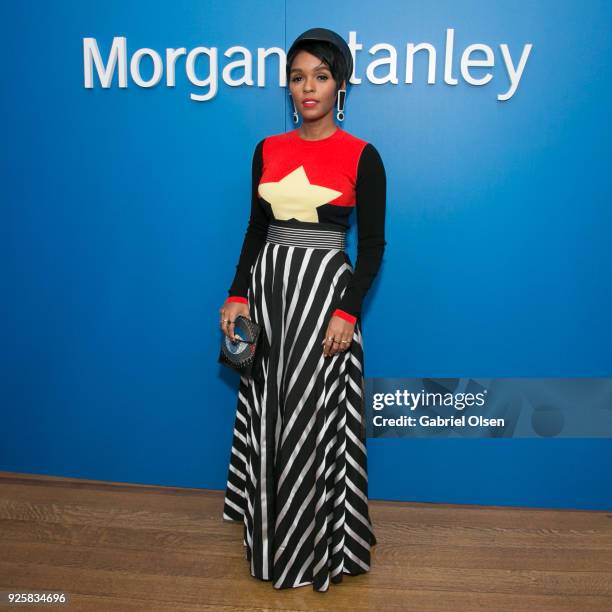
(298, 466)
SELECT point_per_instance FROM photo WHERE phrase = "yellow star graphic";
(294, 196)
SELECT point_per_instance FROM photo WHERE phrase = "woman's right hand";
(229, 311)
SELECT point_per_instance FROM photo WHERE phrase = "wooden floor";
(141, 548)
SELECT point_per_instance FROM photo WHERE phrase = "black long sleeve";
(256, 232)
(371, 195)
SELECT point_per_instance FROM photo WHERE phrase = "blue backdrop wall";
(124, 209)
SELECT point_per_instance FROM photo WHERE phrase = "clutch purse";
(240, 355)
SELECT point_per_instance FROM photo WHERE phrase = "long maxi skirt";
(297, 474)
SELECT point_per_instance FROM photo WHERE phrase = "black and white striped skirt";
(298, 466)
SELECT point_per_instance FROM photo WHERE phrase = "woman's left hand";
(338, 336)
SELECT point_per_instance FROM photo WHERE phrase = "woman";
(298, 467)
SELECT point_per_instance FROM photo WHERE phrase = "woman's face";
(311, 79)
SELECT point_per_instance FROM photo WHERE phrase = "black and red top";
(318, 181)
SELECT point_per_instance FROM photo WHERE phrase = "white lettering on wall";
(380, 69)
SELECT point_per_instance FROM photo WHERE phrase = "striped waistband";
(301, 237)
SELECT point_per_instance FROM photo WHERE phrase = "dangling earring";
(295, 114)
(340, 104)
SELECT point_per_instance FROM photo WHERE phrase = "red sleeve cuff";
(237, 298)
(344, 315)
